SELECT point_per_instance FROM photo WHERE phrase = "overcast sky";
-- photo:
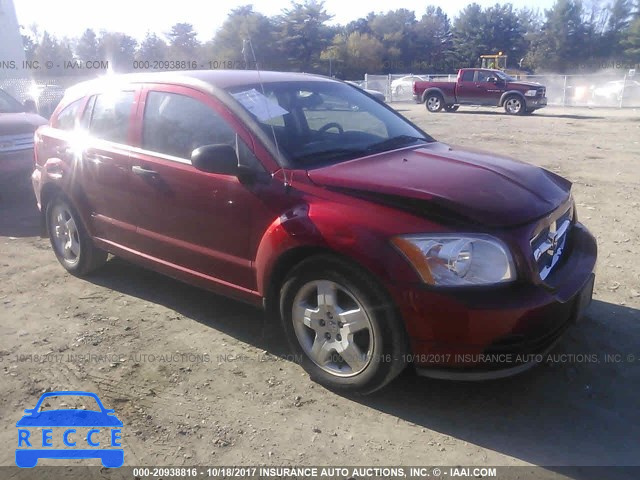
(136, 17)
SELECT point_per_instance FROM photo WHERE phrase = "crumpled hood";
(17, 123)
(480, 187)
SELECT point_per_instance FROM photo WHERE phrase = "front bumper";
(498, 331)
(16, 163)
(535, 102)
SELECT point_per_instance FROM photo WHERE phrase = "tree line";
(569, 37)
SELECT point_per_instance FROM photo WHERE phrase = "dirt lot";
(198, 379)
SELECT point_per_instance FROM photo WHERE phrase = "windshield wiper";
(395, 142)
(334, 153)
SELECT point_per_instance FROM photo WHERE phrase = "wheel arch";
(274, 277)
(432, 90)
(49, 191)
(510, 93)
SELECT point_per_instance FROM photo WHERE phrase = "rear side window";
(176, 124)
(67, 117)
(111, 116)
(467, 76)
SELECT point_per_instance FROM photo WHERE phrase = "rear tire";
(434, 102)
(71, 243)
(342, 326)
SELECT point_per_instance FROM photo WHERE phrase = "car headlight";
(457, 260)
(531, 93)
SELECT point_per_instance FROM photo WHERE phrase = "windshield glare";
(318, 122)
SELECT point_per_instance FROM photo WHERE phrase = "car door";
(105, 170)
(488, 91)
(466, 91)
(190, 220)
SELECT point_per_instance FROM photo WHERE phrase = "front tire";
(342, 326)
(71, 243)
(434, 102)
(514, 105)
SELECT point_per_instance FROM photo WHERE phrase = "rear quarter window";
(66, 119)
(111, 116)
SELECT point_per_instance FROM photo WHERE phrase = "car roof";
(203, 79)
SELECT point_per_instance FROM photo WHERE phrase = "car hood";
(69, 418)
(474, 186)
(525, 84)
(17, 123)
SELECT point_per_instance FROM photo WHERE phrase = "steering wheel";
(331, 125)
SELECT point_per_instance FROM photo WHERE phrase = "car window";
(483, 75)
(176, 125)
(111, 116)
(315, 122)
(349, 116)
(467, 76)
(85, 119)
(67, 117)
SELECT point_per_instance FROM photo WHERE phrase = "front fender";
(327, 228)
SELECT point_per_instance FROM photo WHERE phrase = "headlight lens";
(457, 260)
(531, 93)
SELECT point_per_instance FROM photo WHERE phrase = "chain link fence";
(604, 90)
(45, 93)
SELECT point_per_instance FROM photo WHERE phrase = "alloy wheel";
(66, 237)
(333, 328)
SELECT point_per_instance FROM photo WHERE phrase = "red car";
(17, 126)
(481, 86)
(376, 245)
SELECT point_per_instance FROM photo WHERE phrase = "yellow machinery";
(498, 61)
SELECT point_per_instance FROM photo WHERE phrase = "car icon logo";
(69, 433)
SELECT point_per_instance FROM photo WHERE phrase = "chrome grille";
(15, 143)
(548, 245)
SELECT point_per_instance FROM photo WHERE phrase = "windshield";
(319, 122)
(505, 77)
(8, 104)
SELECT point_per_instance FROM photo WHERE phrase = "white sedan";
(404, 85)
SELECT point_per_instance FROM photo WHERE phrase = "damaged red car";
(376, 245)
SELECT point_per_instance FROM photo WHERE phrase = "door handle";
(96, 158)
(143, 172)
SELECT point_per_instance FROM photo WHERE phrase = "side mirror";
(30, 106)
(218, 158)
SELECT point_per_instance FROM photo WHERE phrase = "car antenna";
(245, 52)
